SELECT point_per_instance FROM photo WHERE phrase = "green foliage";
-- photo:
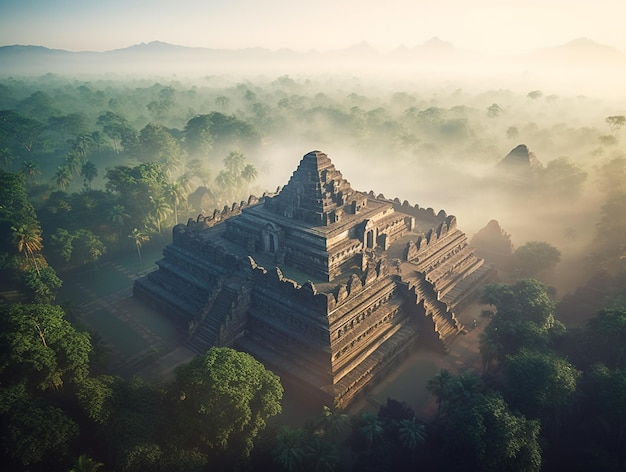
(40, 348)
(539, 383)
(154, 458)
(61, 245)
(33, 432)
(486, 435)
(562, 178)
(607, 335)
(219, 131)
(96, 395)
(534, 259)
(119, 131)
(42, 286)
(15, 210)
(138, 187)
(19, 132)
(290, 450)
(439, 387)
(223, 398)
(524, 318)
(86, 464)
(156, 144)
(87, 247)
(128, 414)
(411, 434)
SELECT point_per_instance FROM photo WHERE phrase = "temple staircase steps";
(466, 286)
(446, 325)
(179, 306)
(207, 333)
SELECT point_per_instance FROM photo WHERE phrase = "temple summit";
(324, 284)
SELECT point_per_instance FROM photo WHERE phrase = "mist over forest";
(98, 165)
(430, 142)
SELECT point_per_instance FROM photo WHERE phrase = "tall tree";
(31, 169)
(6, 158)
(138, 237)
(40, 348)
(19, 130)
(63, 177)
(486, 435)
(223, 399)
(289, 452)
(607, 336)
(539, 384)
(439, 387)
(160, 211)
(89, 171)
(117, 128)
(118, 216)
(535, 258)
(176, 195)
(28, 240)
(615, 122)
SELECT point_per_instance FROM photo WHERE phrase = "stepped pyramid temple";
(325, 285)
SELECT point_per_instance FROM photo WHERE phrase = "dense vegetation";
(92, 169)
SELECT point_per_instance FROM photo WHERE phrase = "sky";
(492, 26)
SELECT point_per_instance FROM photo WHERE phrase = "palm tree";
(72, 161)
(160, 211)
(226, 181)
(372, 428)
(63, 177)
(89, 171)
(439, 387)
(249, 173)
(322, 455)
(490, 349)
(411, 434)
(176, 194)
(333, 422)
(234, 162)
(86, 464)
(6, 157)
(289, 452)
(138, 237)
(81, 146)
(464, 387)
(117, 215)
(31, 169)
(28, 240)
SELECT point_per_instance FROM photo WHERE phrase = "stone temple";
(325, 285)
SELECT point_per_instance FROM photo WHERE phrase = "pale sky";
(481, 25)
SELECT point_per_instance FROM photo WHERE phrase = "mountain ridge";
(158, 55)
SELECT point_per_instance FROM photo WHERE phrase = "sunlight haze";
(488, 26)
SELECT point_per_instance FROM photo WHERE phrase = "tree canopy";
(223, 399)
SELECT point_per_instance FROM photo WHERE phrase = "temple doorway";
(370, 239)
(271, 239)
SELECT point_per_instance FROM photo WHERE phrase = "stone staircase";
(207, 334)
(465, 287)
(446, 326)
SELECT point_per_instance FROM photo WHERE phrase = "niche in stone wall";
(271, 238)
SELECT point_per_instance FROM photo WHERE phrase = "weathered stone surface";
(301, 279)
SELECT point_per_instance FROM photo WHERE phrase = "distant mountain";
(581, 51)
(158, 57)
